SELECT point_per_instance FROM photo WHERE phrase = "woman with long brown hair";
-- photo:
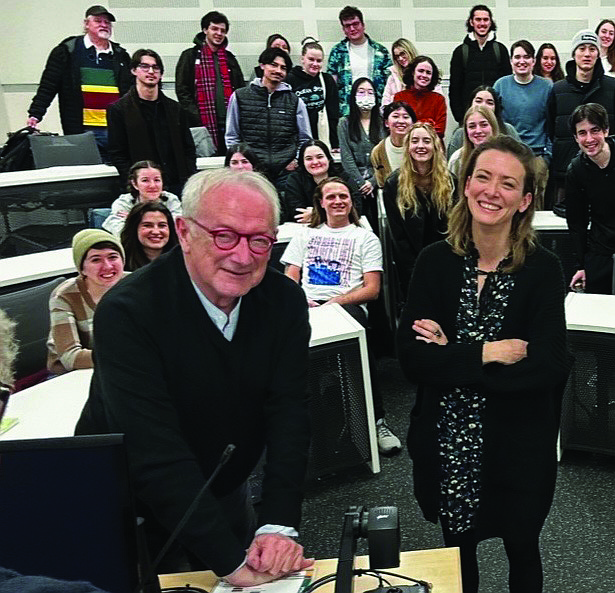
(483, 334)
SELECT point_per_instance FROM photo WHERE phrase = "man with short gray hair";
(202, 348)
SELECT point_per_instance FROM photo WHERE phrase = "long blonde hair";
(522, 234)
(409, 48)
(441, 194)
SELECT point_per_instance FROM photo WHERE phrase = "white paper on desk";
(294, 583)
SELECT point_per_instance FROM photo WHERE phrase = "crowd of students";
(387, 116)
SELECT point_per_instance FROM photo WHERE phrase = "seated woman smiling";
(315, 164)
(99, 258)
(145, 184)
(149, 232)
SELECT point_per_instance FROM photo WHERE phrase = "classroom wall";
(33, 27)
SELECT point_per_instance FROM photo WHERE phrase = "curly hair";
(408, 76)
(470, 27)
(441, 194)
(522, 234)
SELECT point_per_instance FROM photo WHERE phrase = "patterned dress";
(459, 425)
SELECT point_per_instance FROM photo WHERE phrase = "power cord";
(376, 573)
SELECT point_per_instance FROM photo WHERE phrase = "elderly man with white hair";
(206, 347)
(88, 72)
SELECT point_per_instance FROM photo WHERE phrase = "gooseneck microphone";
(152, 575)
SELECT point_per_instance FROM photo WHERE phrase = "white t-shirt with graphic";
(333, 261)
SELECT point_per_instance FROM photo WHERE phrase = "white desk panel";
(49, 409)
(590, 312)
(36, 266)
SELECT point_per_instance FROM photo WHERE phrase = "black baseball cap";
(98, 9)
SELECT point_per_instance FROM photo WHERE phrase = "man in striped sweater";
(88, 73)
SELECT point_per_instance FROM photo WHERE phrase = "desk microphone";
(152, 575)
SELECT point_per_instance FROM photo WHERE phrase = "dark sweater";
(481, 67)
(151, 130)
(521, 418)
(62, 76)
(410, 232)
(309, 89)
(167, 378)
(589, 198)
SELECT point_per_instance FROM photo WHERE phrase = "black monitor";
(66, 510)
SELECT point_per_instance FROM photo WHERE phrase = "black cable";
(373, 573)
(360, 571)
(376, 573)
(186, 589)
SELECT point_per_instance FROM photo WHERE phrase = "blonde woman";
(403, 52)
(479, 124)
(417, 198)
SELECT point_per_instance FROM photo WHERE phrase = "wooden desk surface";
(440, 567)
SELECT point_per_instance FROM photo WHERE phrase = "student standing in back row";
(480, 59)
(357, 56)
(206, 76)
(88, 73)
(318, 91)
(524, 98)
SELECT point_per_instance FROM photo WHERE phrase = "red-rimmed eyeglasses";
(227, 239)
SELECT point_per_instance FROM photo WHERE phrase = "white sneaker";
(388, 443)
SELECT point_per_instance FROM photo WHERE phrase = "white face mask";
(366, 102)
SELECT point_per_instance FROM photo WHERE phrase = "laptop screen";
(66, 510)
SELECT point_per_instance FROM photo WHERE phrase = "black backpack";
(16, 155)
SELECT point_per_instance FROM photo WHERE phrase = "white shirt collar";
(227, 324)
(88, 43)
(490, 37)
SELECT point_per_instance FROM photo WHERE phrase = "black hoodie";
(309, 89)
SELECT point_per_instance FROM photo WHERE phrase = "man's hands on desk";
(270, 556)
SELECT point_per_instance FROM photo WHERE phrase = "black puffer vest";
(268, 123)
